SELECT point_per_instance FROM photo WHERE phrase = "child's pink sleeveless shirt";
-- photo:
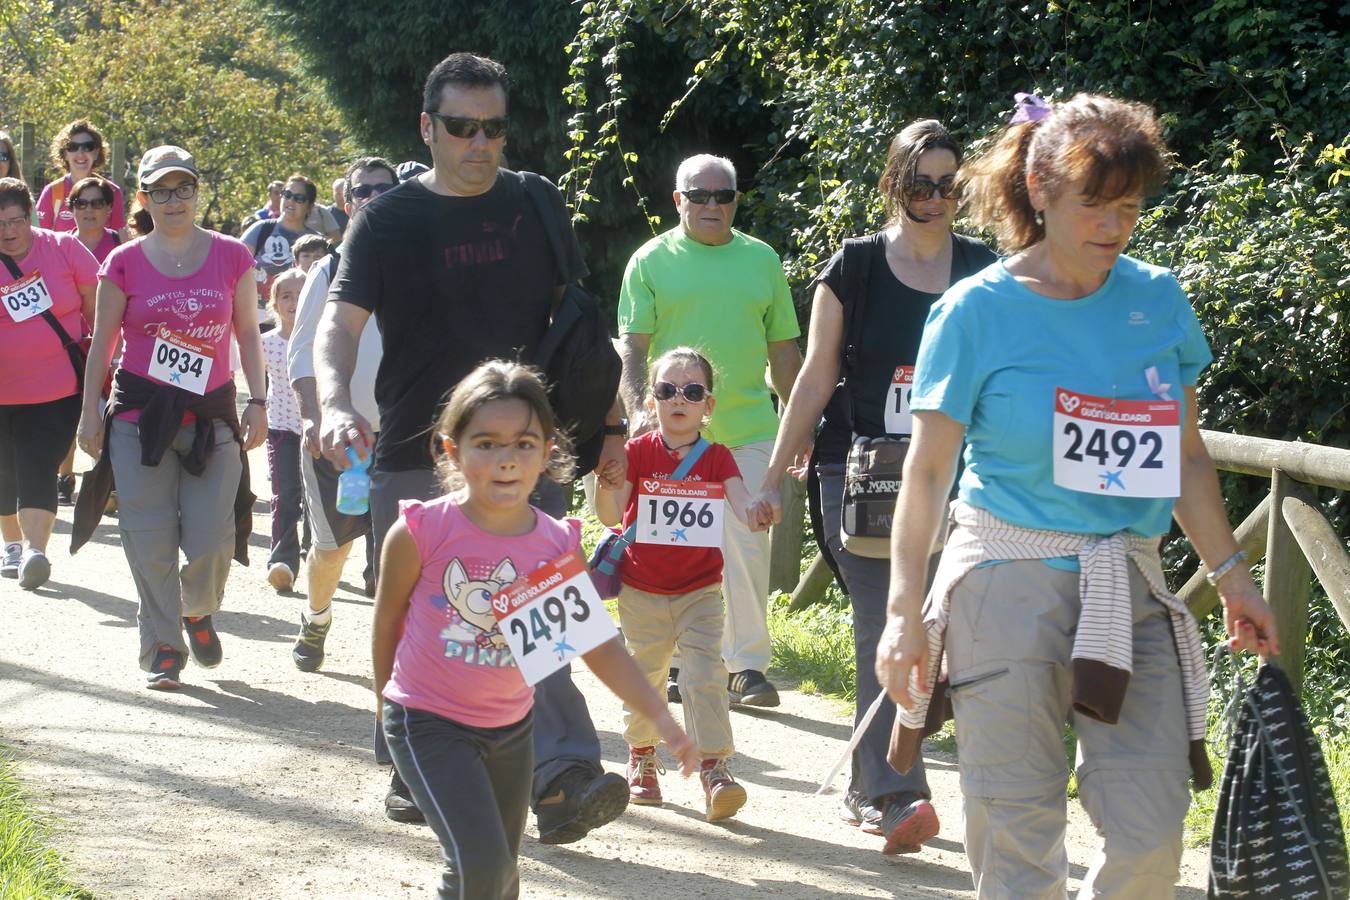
(452, 659)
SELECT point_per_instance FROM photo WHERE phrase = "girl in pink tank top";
(456, 710)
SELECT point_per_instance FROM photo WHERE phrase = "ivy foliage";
(198, 75)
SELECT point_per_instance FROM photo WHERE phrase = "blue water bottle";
(353, 490)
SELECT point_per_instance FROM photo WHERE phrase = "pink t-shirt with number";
(34, 367)
(198, 306)
(452, 659)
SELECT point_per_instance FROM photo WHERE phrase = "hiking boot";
(643, 787)
(65, 489)
(308, 650)
(280, 576)
(751, 688)
(110, 508)
(673, 686)
(34, 569)
(722, 796)
(858, 811)
(166, 669)
(907, 825)
(577, 801)
(203, 641)
(399, 805)
(13, 556)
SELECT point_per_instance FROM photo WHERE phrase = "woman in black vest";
(858, 363)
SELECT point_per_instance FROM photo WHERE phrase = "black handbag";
(1277, 831)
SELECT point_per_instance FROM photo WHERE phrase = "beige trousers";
(653, 626)
(1008, 650)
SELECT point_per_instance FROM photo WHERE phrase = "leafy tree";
(199, 75)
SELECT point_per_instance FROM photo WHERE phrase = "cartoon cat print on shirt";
(470, 603)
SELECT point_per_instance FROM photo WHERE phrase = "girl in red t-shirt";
(672, 575)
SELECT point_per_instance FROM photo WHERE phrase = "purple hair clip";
(1030, 108)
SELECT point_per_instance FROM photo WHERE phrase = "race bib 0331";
(1123, 448)
(26, 298)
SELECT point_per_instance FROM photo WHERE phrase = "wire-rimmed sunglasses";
(693, 391)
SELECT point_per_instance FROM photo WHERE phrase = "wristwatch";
(257, 401)
(619, 430)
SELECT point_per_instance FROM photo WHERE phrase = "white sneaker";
(13, 554)
(280, 576)
(34, 570)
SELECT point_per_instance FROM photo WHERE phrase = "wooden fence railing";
(1296, 543)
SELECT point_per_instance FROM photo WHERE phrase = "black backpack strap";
(538, 190)
(856, 267)
(117, 238)
(69, 344)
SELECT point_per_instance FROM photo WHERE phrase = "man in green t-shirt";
(706, 285)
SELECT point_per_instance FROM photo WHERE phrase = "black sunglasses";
(362, 191)
(921, 189)
(460, 127)
(4, 156)
(292, 195)
(96, 203)
(693, 391)
(698, 196)
(86, 146)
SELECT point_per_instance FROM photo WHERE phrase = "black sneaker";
(673, 686)
(577, 802)
(308, 650)
(859, 812)
(751, 688)
(65, 489)
(166, 669)
(907, 824)
(399, 805)
(203, 641)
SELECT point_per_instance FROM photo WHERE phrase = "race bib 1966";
(1123, 448)
(899, 420)
(680, 513)
(551, 616)
(180, 361)
(26, 298)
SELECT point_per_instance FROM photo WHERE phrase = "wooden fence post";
(1324, 550)
(28, 150)
(815, 580)
(785, 549)
(117, 163)
(1288, 578)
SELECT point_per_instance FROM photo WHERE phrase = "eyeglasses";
(302, 197)
(693, 391)
(13, 224)
(921, 189)
(362, 191)
(185, 191)
(460, 127)
(77, 146)
(699, 197)
(96, 203)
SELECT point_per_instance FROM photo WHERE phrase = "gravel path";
(258, 781)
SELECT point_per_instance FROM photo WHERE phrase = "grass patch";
(29, 867)
(814, 647)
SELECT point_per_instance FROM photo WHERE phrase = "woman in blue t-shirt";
(1069, 371)
(867, 317)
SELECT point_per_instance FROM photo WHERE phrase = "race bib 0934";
(1123, 448)
(180, 361)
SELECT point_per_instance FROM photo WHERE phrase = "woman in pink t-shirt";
(456, 711)
(177, 295)
(79, 149)
(46, 283)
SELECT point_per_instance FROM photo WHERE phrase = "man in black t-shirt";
(456, 267)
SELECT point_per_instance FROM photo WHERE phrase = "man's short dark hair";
(464, 70)
(361, 165)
